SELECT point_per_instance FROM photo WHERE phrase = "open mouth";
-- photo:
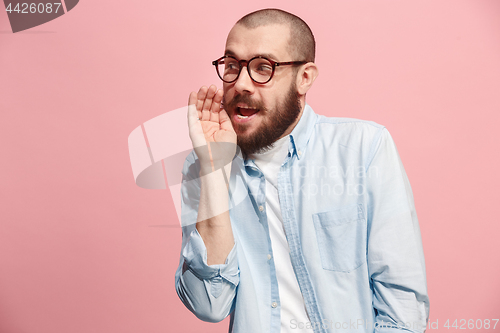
(244, 114)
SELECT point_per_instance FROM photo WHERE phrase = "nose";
(244, 83)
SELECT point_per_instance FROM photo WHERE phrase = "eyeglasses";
(260, 69)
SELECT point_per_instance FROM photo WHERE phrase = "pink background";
(83, 249)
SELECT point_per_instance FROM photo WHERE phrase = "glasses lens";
(228, 69)
(261, 70)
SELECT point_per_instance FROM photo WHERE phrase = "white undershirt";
(291, 300)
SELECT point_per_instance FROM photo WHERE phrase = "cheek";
(273, 102)
(228, 92)
(268, 99)
(275, 97)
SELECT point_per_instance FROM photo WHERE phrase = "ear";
(306, 76)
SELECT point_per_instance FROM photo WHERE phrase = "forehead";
(268, 40)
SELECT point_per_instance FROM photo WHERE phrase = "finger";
(202, 94)
(215, 109)
(192, 98)
(192, 112)
(217, 100)
(195, 130)
(207, 104)
(192, 101)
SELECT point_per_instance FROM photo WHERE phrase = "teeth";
(241, 116)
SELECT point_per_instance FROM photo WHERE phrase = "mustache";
(241, 99)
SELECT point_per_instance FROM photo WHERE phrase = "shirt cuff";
(195, 257)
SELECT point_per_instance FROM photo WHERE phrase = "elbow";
(216, 309)
(212, 316)
(212, 313)
(207, 308)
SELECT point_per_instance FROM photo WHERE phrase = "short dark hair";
(301, 43)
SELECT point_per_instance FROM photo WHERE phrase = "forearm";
(214, 224)
(207, 290)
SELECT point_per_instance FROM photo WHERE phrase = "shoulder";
(347, 124)
(349, 132)
(353, 141)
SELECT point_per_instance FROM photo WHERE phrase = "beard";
(273, 122)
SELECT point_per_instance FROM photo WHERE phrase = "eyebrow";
(265, 55)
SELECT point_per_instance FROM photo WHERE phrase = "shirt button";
(274, 304)
(261, 208)
(299, 152)
(269, 257)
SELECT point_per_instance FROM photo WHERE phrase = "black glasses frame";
(246, 62)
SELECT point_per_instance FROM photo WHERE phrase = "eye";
(231, 64)
(261, 66)
(264, 68)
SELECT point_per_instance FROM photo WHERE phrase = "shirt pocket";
(341, 235)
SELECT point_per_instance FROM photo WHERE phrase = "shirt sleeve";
(395, 255)
(206, 290)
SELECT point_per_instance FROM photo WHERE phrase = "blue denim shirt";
(351, 226)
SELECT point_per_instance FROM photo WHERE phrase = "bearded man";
(291, 220)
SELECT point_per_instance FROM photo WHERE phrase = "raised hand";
(210, 128)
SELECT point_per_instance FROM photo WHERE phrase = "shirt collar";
(302, 132)
(299, 137)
